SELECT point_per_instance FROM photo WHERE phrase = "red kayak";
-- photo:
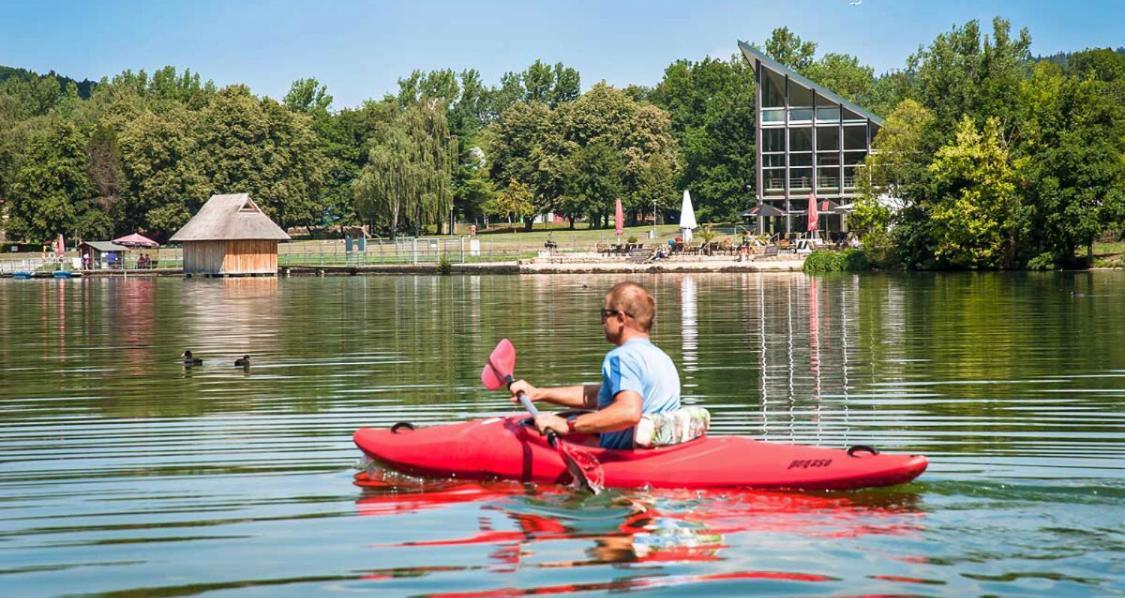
(506, 448)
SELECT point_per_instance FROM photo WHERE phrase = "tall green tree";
(1074, 146)
(976, 214)
(407, 181)
(52, 192)
(789, 49)
(711, 105)
(964, 73)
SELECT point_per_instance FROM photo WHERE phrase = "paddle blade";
(583, 467)
(501, 363)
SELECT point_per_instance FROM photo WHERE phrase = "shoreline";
(550, 265)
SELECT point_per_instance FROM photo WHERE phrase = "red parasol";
(812, 213)
(618, 219)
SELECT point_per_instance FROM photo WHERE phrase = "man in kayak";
(637, 377)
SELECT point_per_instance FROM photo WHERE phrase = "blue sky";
(360, 48)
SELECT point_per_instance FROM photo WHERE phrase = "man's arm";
(624, 412)
(579, 396)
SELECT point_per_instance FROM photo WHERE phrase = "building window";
(855, 138)
(773, 160)
(773, 140)
(828, 158)
(800, 115)
(773, 115)
(773, 180)
(828, 179)
(853, 158)
(800, 139)
(799, 96)
(850, 116)
(827, 138)
(800, 179)
(802, 159)
(828, 114)
(773, 89)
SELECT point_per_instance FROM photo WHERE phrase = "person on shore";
(638, 378)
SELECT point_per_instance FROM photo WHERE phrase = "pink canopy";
(812, 214)
(618, 219)
(136, 240)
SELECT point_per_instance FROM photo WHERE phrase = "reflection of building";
(809, 141)
(230, 236)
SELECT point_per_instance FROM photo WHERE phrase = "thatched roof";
(230, 218)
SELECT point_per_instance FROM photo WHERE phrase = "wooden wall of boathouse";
(230, 258)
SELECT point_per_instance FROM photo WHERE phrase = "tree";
(308, 96)
(513, 200)
(903, 148)
(843, 75)
(711, 107)
(789, 49)
(597, 173)
(161, 163)
(261, 148)
(1074, 162)
(976, 213)
(964, 73)
(408, 176)
(52, 192)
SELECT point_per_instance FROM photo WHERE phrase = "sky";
(359, 49)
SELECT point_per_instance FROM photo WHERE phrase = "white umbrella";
(687, 218)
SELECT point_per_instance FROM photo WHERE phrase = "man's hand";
(522, 386)
(550, 421)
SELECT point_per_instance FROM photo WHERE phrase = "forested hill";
(85, 86)
(1063, 58)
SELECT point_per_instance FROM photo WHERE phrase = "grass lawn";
(1107, 255)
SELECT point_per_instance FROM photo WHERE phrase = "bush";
(631, 239)
(849, 260)
(823, 261)
(445, 267)
(1043, 261)
(854, 260)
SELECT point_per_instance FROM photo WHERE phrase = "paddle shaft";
(533, 410)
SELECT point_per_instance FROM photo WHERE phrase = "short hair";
(631, 298)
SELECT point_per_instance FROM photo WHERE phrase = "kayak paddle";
(583, 466)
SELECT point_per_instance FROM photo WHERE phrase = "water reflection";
(649, 529)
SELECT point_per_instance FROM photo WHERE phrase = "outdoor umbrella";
(765, 210)
(136, 240)
(687, 218)
(618, 219)
(812, 214)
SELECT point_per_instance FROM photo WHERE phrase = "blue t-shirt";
(639, 366)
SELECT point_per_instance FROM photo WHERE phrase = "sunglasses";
(613, 312)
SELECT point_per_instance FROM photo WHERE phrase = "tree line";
(1001, 159)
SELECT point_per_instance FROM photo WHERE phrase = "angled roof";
(230, 218)
(750, 54)
(105, 246)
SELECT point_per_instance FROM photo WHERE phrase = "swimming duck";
(242, 362)
(190, 361)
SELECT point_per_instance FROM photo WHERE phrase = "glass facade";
(810, 141)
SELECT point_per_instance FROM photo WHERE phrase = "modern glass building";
(809, 142)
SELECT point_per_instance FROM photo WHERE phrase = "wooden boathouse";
(230, 236)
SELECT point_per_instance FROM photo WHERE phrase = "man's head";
(627, 310)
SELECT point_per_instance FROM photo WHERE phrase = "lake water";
(122, 472)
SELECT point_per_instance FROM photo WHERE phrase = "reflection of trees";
(778, 354)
